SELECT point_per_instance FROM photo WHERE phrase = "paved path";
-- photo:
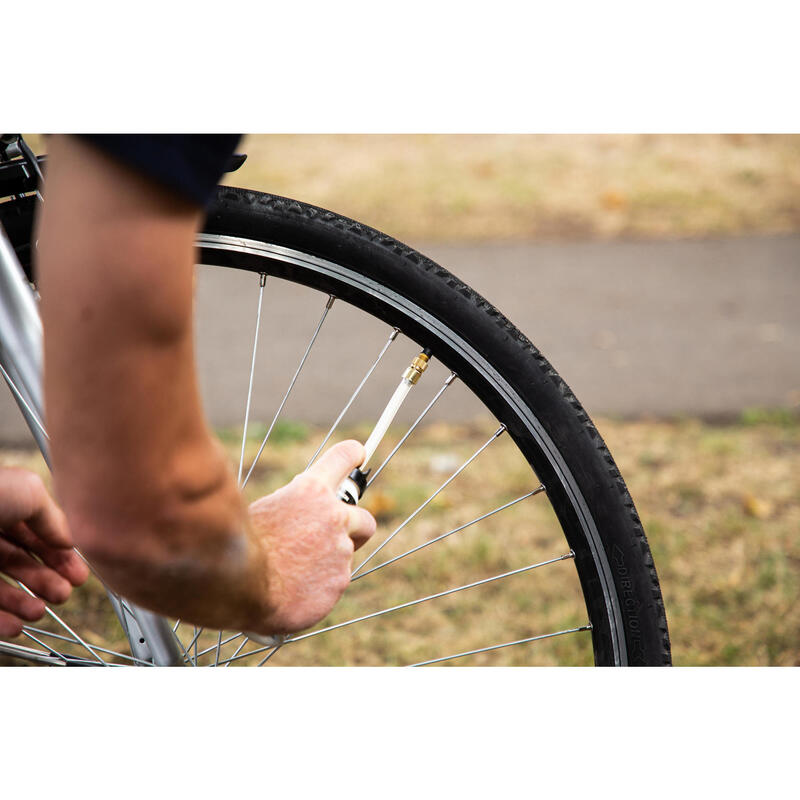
(636, 328)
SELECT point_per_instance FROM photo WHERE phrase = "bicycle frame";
(21, 348)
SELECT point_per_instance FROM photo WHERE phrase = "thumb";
(337, 463)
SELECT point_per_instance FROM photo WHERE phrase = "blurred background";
(660, 275)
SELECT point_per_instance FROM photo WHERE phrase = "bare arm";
(145, 486)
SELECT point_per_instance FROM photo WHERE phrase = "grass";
(513, 187)
(720, 503)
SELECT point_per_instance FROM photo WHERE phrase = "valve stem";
(417, 367)
(353, 487)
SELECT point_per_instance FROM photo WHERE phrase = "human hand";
(308, 537)
(32, 523)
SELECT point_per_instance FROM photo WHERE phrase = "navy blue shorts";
(189, 164)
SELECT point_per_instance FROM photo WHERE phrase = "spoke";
(227, 662)
(197, 632)
(518, 571)
(29, 628)
(187, 649)
(219, 646)
(63, 624)
(214, 647)
(430, 405)
(269, 655)
(328, 305)
(236, 657)
(50, 650)
(355, 394)
(262, 281)
(420, 508)
(499, 646)
(41, 631)
(450, 533)
(29, 654)
(18, 396)
(186, 655)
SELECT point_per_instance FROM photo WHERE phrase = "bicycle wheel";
(616, 616)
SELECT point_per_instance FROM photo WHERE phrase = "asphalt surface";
(704, 328)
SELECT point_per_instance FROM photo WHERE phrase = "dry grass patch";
(486, 187)
(720, 503)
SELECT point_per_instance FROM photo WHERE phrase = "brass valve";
(418, 366)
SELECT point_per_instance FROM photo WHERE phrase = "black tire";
(500, 365)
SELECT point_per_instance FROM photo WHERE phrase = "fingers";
(331, 469)
(40, 579)
(333, 466)
(65, 561)
(25, 499)
(10, 625)
(361, 526)
(20, 604)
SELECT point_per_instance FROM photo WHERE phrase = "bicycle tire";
(503, 368)
(262, 233)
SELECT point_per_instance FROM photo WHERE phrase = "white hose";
(382, 425)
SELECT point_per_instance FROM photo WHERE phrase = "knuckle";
(346, 546)
(33, 484)
(370, 523)
(10, 626)
(342, 580)
(310, 485)
(354, 454)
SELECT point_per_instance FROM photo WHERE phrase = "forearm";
(145, 486)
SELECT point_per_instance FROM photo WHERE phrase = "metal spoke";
(328, 305)
(29, 654)
(269, 655)
(61, 637)
(219, 646)
(28, 628)
(420, 508)
(355, 394)
(214, 647)
(419, 419)
(518, 571)
(450, 533)
(21, 398)
(256, 651)
(63, 624)
(227, 662)
(50, 650)
(498, 646)
(262, 281)
(186, 655)
(197, 632)
(187, 649)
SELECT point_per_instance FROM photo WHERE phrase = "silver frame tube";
(21, 341)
